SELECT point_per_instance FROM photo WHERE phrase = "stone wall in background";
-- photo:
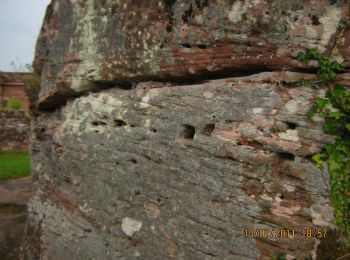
(14, 130)
(196, 131)
(13, 86)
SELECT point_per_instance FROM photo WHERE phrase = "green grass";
(14, 165)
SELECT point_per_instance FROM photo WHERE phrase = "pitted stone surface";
(169, 129)
(179, 172)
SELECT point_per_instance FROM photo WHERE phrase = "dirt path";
(14, 195)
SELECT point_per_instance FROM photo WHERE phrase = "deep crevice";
(133, 161)
(59, 100)
(169, 9)
(187, 134)
(286, 156)
(291, 125)
(119, 123)
(187, 16)
(187, 45)
(314, 20)
(97, 123)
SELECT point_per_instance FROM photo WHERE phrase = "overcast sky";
(20, 23)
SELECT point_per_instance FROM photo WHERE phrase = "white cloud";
(20, 23)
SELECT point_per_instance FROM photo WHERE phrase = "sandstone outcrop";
(89, 45)
(173, 129)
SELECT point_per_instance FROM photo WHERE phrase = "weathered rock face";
(166, 170)
(84, 43)
(179, 172)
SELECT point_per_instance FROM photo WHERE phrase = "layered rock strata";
(195, 142)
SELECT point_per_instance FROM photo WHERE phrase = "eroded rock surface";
(84, 43)
(180, 172)
(196, 132)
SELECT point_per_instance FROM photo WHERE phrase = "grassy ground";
(14, 165)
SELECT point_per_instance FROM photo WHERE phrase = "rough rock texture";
(14, 130)
(179, 172)
(182, 166)
(85, 43)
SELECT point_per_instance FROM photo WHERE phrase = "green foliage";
(305, 82)
(282, 256)
(334, 108)
(14, 165)
(327, 68)
(32, 88)
(14, 104)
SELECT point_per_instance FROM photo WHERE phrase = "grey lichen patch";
(330, 21)
(83, 112)
(316, 35)
(290, 135)
(82, 85)
(239, 8)
(86, 31)
(86, 39)
(323, 216)
(130, 226)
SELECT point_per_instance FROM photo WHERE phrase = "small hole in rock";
(188, 133)
(169, 29)
(286, 156)
(309, 157)
(154, 130)
(186, 45)
(119, 123)
(133, 161)
(291, 125)
(315, 20)
(187, 17)
(208, 129)
(97, 123)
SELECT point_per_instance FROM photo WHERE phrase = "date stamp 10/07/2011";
(320, 233)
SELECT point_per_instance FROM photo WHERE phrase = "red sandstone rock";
(85, 46)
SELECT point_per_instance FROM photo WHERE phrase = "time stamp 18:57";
(285, 233)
